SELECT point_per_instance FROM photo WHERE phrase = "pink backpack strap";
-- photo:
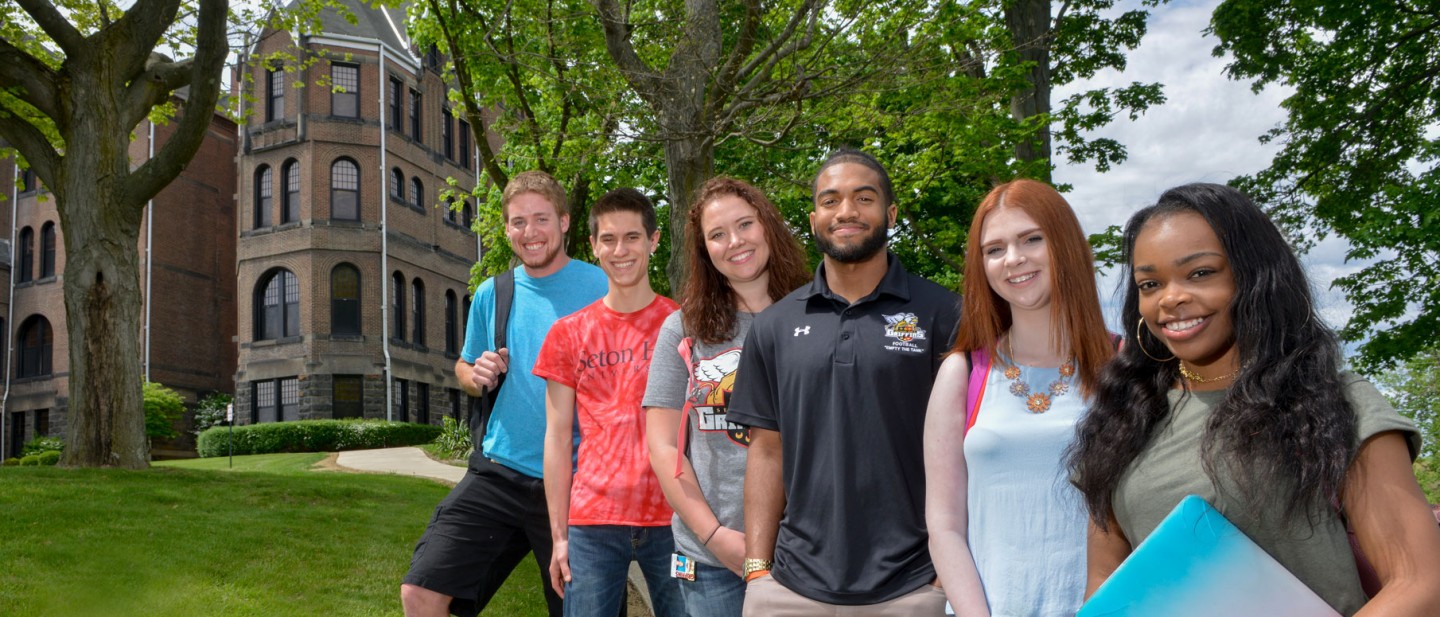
(682, 441)
(980, 360)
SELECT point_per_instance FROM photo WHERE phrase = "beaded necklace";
(1037, 402)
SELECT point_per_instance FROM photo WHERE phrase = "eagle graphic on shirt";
(714, 381)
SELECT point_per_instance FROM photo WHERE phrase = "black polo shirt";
(846, 386)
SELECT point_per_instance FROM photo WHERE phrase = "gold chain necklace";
(1037, 402)
(1196, 378)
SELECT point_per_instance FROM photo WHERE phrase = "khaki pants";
(766, 598)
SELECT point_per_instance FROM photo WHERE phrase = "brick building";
(269, 275)
(187, 281)
(351, 273)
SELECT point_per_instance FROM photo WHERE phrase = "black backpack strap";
(482, 406)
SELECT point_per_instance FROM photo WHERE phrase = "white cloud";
(1207, 131)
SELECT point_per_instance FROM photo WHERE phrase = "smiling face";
(536, 233)
(851, 217)
(623, 249)
(1186, 289)
(735, 239)
(1017, 259)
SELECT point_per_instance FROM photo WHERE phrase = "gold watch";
(755, 565)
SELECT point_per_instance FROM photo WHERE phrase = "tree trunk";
(1029, 25)
(106, 417)
(689, 162)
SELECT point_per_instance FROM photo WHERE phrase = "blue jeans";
(715, 592)
(600, 557)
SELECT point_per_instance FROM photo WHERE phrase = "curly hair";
(708, 304)
(1285, 425)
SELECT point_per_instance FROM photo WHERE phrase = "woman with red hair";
(1007, 530)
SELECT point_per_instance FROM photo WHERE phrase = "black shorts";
(479, 533)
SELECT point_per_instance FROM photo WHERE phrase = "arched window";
(264, 191)
(467, 217)
(344, 190)
(277, 305)
(417, 194)
(345, 300)
(452, 212)
(417, 303)
(27, 255)
(397, 306)
(290, 192)
(464, 320)
(450, 323)
(36, 340)
(397, 185)
(47, 250)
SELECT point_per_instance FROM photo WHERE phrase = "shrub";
(314, 436)
(42, 444)
(32, 460)
(163, 407)
(210, 411)
(11, 462)
(49, 457)
(454, 439)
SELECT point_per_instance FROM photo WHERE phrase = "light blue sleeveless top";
(1027, 523)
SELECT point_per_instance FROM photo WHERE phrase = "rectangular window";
(447, 133)
(397, 104)
(42, 423)
(289, 399)
(349, 396)
(17, 433)
(262, 402)
(465, 151)
(455, 400)
(345, 90)
(275, 98)
(402, 400)
(415, 117)
(422, 402)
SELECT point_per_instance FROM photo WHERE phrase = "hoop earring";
(1139, 342)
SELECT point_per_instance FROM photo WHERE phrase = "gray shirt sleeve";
(669, 376)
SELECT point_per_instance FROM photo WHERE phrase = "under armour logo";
(805, 331)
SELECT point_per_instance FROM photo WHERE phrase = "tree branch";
(472, 112)
(197, 113)
(154, 86)
(644, 79)
(32, 143)
(55, 25)
(136, 33)
(32, 80)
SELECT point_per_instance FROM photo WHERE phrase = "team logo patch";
(905, 329)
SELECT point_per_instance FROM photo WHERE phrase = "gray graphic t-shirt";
(716, 447)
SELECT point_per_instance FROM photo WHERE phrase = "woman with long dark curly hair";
(1007, 531)
(1229, 386)
(742, 258)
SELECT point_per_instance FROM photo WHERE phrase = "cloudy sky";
(1206, 132)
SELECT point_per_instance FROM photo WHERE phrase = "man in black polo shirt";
(833, 384)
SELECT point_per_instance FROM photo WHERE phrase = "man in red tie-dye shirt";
(610, 511)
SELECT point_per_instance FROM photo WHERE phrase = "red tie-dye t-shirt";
(605, 357)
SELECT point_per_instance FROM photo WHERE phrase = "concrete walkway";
(402, 461)
(414, 462)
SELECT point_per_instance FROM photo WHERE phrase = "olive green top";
(1171, 468)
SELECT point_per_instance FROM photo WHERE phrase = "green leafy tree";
(74, 82)
(163, 407)
(1358, 149)
(1413, 387)
(210, 411)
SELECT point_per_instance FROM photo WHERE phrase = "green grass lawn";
(269, 538)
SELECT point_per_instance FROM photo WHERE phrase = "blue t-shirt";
(515, 436)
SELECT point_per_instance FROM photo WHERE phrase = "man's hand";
(488, 367)
(560, 566)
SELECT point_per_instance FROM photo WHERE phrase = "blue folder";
(1196, 563)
